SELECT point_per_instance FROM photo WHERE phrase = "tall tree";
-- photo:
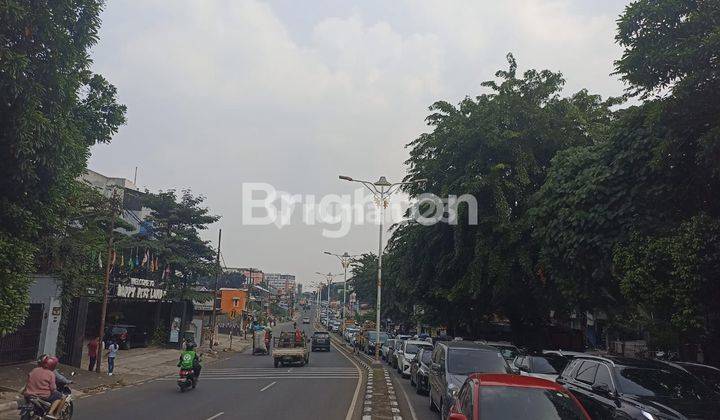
(52, 109)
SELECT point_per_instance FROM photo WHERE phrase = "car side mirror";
(457, 416)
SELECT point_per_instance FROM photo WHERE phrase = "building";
(233, 302)
(130, 196)
(284, 284)
(38, 334)
(255, 274)
(299, 289)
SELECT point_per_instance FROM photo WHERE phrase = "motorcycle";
(35, 408)
(187, 379)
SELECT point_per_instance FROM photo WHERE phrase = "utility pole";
(213, 323)
(106, 286)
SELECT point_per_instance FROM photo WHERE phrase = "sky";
(293, 94)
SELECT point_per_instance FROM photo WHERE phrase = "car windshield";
(509, 353)
(321, 335)
(414, 348)
(118, 330)
(548, 364)
(652, 382)
(710, 376)
(467, 361)
(509, 402)
(383, 336)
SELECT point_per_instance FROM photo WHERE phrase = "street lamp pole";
(381, 190)
(345, 260)
(329, 278)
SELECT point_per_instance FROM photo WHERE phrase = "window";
(236, 302)
(662, 383)
(518, 361)
(549, 364)
(501, 402)
(586, 372)
(467, 361)
(603, 377)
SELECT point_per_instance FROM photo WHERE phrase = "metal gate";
(22, 345)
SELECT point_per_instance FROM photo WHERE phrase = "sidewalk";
(131, 367)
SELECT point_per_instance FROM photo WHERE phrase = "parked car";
(387, 348)
(545, 366)
(452, 362)
(500, 397)
(420, 371)
(709, 375)
(126, 336)
(320, 341)
(372, 339)
(619, 387)
(406, 354)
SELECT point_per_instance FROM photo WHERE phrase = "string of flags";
(149, 261)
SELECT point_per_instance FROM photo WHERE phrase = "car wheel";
(412, 382)
(276, 363)
(126, 345)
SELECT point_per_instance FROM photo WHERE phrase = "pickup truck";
(287, 350)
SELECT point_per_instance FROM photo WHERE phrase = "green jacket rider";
(189, 359)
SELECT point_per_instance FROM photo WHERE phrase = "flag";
(122, 260)
(155, 264)
(145, 258)
(100, 260)
(137, 258)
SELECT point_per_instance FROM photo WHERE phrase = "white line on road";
(407, 400)
(215, 416)
(351, 409)
(290, 370)
(268, 386)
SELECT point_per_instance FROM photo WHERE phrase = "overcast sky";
(293, 93)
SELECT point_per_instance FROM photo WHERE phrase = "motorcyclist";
(189, 359)
(268, 338)
(41, 383)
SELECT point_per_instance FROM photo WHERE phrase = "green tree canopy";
(52, 109)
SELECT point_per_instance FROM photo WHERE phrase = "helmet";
(41, 359)
(190, 345)
(49, 362)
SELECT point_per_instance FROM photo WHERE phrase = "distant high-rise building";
(283, 284)
(299, 289)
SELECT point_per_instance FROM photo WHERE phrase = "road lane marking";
(268, 386)
(351, 409)
(407, 400)
(215, 416)
(289, 370)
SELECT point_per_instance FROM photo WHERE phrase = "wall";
(226, 301)
(46, 290)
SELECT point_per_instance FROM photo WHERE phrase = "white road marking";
(268, 386)
(215, 416)
(351, 409)
(290, 370)
(407, 400)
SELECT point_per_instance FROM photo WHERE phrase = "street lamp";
(329, 278)
(381, 189)
(345, 260)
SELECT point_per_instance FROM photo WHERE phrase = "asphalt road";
(244, 386)
(414, 405)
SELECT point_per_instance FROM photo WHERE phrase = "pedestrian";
(112, 352)
(92, 346)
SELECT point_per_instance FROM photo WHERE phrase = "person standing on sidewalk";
(112, 352)
(92, 346)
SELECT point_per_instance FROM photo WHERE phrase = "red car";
(505, 397)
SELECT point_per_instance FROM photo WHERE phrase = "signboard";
(137, 292)
(139, 289)
(175, 330)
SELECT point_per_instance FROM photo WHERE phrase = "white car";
(407, 353)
